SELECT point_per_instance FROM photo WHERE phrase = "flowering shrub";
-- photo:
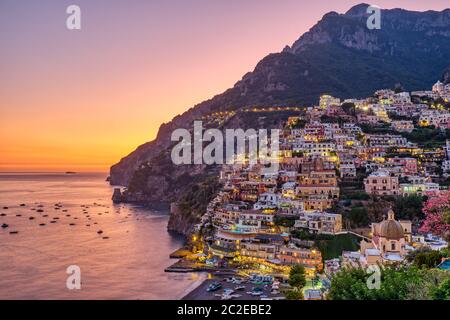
(436, 211)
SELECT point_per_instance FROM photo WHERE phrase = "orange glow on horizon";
(82, 100)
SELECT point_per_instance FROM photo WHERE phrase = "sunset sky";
(81, 100)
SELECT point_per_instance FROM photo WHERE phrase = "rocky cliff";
(446, 77)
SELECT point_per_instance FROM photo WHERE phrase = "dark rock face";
(179, 222)
(446, 77)
(338, 56)
(117, 195)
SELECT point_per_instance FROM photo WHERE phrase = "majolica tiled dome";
(390, 228)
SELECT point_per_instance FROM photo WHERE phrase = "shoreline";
(58, 208)
(203, 277)
(196, 292)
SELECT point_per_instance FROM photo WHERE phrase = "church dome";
(390, 228)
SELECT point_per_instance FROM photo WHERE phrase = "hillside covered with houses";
(362, 182)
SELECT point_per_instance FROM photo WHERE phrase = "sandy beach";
(202, 279)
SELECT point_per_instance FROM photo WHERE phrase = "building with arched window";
(389, 240)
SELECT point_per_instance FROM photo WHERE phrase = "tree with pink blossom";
(436, 211)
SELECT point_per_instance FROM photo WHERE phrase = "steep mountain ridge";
(338, 56)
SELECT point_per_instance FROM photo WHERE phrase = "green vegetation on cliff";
(194, 202)
(331, 246)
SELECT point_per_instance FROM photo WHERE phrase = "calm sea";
(126, 261)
